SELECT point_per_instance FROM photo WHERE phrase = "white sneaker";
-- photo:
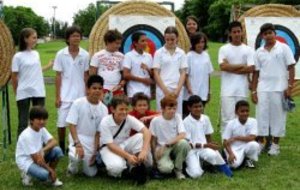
(179, 174)
(57, 183)
(249, 163)
(274, 150)
(26, 179)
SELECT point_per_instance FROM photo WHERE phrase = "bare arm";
(132, 159)
(153, 148)
(177, 139)
(146, 144)
(57, 89)
(14, 81)
(231, 156)
(128, 76)
(291, 70)
(93, 70)
(181, 81)
(188, 85)
(50, 144)
(79, 148)
(236, 68)
(254, 86)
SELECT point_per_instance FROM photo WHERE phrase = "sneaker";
(179, 174)
(139, 174)
(155, 174)
(26, 179)
(57, 183)
(249, 163)
(225, 169)
(274, 150)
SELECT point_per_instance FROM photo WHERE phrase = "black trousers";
(23, 110)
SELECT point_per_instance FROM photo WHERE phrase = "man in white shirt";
(71, 65)
(137, 66)
(37, 154)
(168, 144)
(119, 148)
(108, 63)
(236, 62)
(84, 119)
(239, 138)
(199, 130)
(273, 81)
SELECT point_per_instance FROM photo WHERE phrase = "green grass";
(281, 172)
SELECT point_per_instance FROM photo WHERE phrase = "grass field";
(281, 172)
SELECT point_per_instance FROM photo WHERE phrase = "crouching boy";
(199, 129)
(118, 148)
(84, 118)
(239, 137)
(34, 159)
(169, 147)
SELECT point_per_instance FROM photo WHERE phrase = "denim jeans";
(23, 110)
(41, 173)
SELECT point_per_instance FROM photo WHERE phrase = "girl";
(169, 68)
(27, 76)
(191, 25)
(199, 70)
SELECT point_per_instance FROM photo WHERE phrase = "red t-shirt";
(137, 115)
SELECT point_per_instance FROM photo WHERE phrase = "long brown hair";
(25, 33)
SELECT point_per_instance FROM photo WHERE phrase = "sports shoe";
(57, 183)
(26, 179)
(225, 169)
(179, 174)
(249, 163)
(274, 150)
(139, 174)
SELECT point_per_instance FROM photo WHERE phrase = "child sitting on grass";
(37, 154)
(239, 137)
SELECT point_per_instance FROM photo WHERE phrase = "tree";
(87, 18)
(22, 17)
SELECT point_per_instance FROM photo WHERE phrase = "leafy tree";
(17, 18)
(87, 18)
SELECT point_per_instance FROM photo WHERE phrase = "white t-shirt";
(109, 67)
(86, 117)
(235, 84)
(165, 130)
(30, 142)
(199, 69)
(169, 65)
(72, 73)
(272, 67)
(30, 76)
(108, 129)
(197, 129)
(133, 61)
(235, 128)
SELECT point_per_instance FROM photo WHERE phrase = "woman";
(169, 68)
(27, 76)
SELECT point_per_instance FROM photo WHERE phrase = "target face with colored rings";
(284, 35)
(154, 42)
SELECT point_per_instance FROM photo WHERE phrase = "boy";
(236, 62)
(37, 154)
(239, 137)
(71, 65)
(273, 81)
(198, 129)
(84, 118)
(168, 144)
(118, 148)
(141, 111)
(108, 63)
(137, 66)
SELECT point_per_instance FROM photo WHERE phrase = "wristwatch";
(77, 142)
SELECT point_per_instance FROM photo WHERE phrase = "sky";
(65, 8)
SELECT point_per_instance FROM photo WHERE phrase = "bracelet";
(77, 142)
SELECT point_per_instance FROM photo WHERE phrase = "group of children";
(132, 142)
